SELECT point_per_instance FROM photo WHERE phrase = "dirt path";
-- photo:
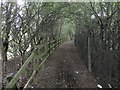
(65, 69)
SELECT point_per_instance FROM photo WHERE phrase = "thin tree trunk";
(4, 55)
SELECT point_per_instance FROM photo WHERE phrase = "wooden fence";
(35, 56)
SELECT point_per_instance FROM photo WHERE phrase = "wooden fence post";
(89, 55)
(1, 64)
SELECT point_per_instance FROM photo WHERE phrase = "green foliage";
(33, 23)
(68, 28)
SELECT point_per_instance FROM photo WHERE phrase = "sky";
(19, 2)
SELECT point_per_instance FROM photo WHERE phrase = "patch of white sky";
(99, 14)
(3, 1)
(20, 2)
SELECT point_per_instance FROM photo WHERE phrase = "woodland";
(32, 30)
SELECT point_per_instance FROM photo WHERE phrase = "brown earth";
(64, 69)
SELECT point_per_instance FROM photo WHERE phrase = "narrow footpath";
(65, 69)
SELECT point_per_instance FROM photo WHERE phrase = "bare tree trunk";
(4, 54)
(22, 62)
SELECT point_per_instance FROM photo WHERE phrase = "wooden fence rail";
(45, 54)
